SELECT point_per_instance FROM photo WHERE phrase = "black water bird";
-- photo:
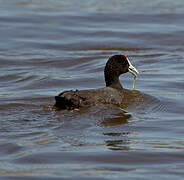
(113, 93)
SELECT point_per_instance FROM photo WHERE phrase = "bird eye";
(124, 58)
(125, 55)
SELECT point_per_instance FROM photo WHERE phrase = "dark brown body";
(86, 98)
(113, 93)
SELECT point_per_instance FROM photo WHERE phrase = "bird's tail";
(63, 102)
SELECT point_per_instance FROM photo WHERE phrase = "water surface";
(51, 46)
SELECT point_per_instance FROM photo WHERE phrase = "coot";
(113, 93)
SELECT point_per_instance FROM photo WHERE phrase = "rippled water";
(50, 46)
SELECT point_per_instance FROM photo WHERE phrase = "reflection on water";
(118, 145)
(48, 47)
(119, 119)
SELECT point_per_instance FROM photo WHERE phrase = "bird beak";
(132, 69)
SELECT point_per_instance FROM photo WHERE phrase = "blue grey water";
(50, 46)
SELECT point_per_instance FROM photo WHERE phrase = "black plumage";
(113, 93)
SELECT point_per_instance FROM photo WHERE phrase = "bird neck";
(112, 80)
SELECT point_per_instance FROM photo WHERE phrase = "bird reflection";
(118, 144)
(123, 142)
(121, 118)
